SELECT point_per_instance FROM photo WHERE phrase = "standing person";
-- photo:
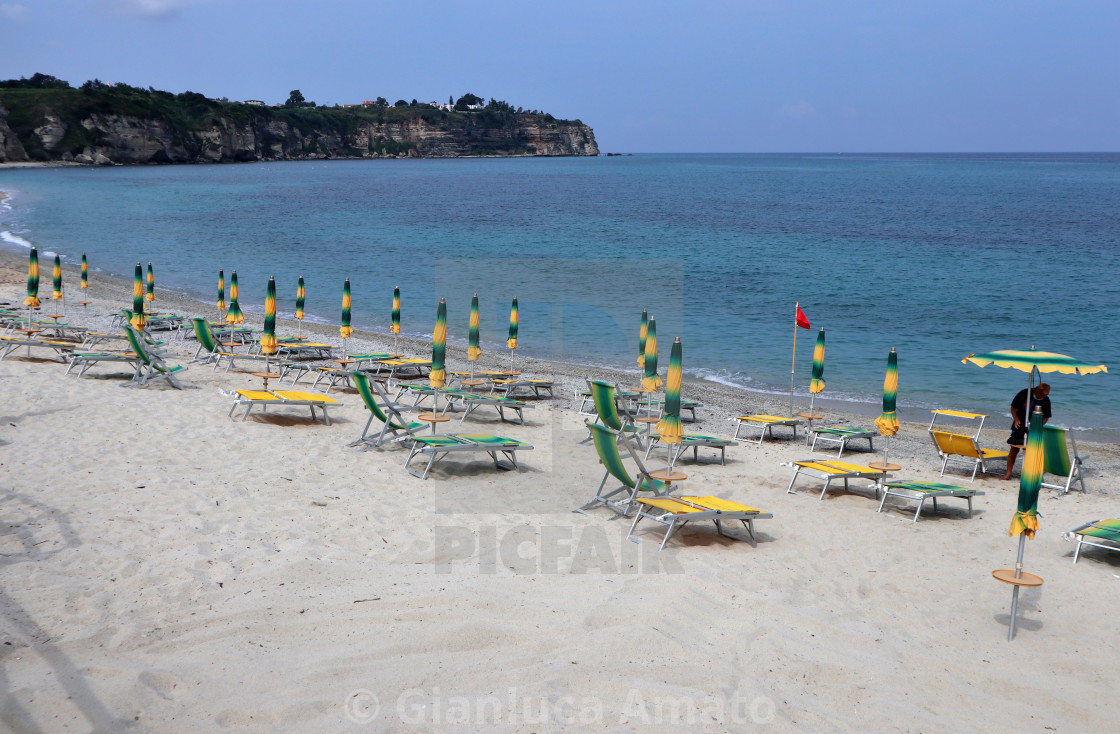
(1020, 415)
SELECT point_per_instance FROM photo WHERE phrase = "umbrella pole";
(1015, 590)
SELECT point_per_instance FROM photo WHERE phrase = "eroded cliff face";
(127, 139)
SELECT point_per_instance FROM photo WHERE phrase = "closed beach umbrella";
(650, 381)
(1025, 521)
(268, 340)
(221, 292)
(85, 272)
(57, 277)
(301, 295)
(438, 376)
(137, 320)
(669, 427)
(473, 350)
(816, 384)
(234, 315)
(395, 326)
(643, 331)
(514, 317)
(32, 300)
(887, 423)
(151, 284)
(344, 329)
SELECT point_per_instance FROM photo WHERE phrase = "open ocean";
(938, 256)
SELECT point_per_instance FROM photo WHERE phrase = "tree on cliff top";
(466, 101)
(296, 99)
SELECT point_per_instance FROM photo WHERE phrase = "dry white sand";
(164, 568)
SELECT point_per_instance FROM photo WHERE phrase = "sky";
(761, 76)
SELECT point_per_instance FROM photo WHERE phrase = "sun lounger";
(962, 448)
(253, 398)
(394, 426)
(534, 388)
(333, 376)
(1057, 461)
(468, 402)
(611, 411)
(399, 369)
(1093, 533)
(676, 512)
(695, 442)
(921, 491)
(84, 360)
(152, 366)
(620, 498)
(842, 435)
(210, 352)
(439, 446)
(304, 350)
(829, 471)
(10, 344)
(765, 424)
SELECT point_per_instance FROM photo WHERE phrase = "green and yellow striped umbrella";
(221, 291)
(1026, 360)
(85, 272)
(887, 423)
(395, 326)
(234, 315)
(514, 317)
(669, 427)
(650, 381)
(643, 332)
(438, 376)
(344, 329)
(473, 350)
(32, 300)
(137, 320)
(268, 339)
(57, 277)
(151, 284)
(301, 295)
(816, 384)
(1025, 520)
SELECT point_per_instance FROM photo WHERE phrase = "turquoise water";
(935, 255)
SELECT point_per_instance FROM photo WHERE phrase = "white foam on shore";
(15, 239)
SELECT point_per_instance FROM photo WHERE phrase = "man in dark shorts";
(1020, 412)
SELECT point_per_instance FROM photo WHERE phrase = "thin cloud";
(148, 8)
(12, 11)
(797, 111)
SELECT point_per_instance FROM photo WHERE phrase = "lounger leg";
(882, 501)
(789, 489)
(969, 507)
(921, 501)
(669, 533)
(824, 489)
(637, 519)
(1077, 550)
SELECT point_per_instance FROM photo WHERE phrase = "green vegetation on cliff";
(54, 121)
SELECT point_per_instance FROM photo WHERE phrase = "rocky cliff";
(107, 126)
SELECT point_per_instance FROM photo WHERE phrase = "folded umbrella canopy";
(57, 294)
(1025, 521)
(268, 339)
(438, 376)
(643, 333)
(85, 272)
(151, 284)
(816, 384)
(234, 315)
(650, 381)
(511, 340)
(221, 293)
(301, 295)
(32, 300)
(344, 329)
(887, 422)
(137, 319)
(473, 349)
(395, 326)
(669, 427)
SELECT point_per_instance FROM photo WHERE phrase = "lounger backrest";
(604, 396)
(205, 336)
(365, 389)
(1055, 459)
(137, 344)
(606, 443)
(956, 444)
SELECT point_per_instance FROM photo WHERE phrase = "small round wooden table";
(884, 467)
(343, 362)
(664, 475)
(433, 418)
(266, 376)
(1007, 576)
(649, 422)
(83, 304)
(471, 383)
(55, 316)
(29, 332)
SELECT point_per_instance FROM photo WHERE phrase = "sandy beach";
(168, 569)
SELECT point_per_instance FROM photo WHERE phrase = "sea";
(935, 256)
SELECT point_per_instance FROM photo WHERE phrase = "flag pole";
(793, 361)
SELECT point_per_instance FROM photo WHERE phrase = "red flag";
(801, 320)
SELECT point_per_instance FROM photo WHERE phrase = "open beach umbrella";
(234, 315)
(511, 341)
(301, 295)
(669, 427)
(816, 383)
(1025, 521)
(438, 376)
(137, 320)
(221, 294)
(268, 340)
(650, 381)
(32, 300)
(56, 295)
(643, 331)
(151, 284)
(887, 422)
(85, 272)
